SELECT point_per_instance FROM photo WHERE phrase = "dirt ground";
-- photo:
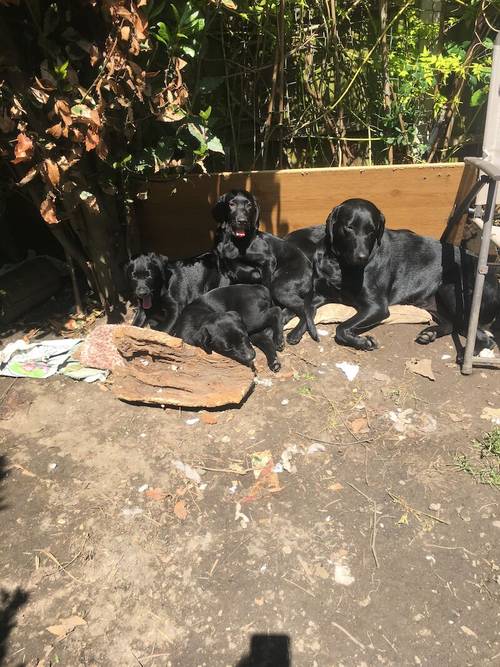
(373, 548)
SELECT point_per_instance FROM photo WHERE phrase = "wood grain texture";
(162, 370)
(176, 218)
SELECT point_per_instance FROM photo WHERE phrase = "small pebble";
(435, 507)
(285, 401)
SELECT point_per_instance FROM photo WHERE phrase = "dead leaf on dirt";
(266, 483)
(320, 572)
(51, 171)
(180, 510)
(65, 626)
(359, 425)
(30, 174)
(156, 494)
(259, 602)
(208, 418)
(48, 211)
(62, 109)
(421, 367)
(23, 149)
(336, 486)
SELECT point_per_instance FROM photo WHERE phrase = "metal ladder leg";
(482, 270)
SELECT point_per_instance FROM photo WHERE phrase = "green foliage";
(484, 467)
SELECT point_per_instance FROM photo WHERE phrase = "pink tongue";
(146, 302)
(240, 234)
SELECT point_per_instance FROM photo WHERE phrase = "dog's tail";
(309, 313)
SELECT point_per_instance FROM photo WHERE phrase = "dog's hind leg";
(264, 341)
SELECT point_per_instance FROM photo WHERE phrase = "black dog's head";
(146, 276)
(352, 231)
(227, 335)
(238, 210)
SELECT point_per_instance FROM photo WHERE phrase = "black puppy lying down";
(359, 263)
(249, 256)
(162, 288)
(228, 320)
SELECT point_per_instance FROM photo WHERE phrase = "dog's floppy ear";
(205, 340)
(381, 227)
(219, 211)
(159, 261)
(256, 221)
(330, 221)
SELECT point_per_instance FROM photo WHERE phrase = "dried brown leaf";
(156, 494)
(51, 172)
(56, 130)
(30, 174)
(180, 510)
(95, 55)
(359, 425)
(48, 210)
(62, 109)
(23, 149)
(65, 626)
(91, 138)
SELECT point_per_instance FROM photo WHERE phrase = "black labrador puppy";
(249, 256)
(162, 288)
(229, 319)
(360, 263)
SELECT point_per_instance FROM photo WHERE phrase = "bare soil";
(375, 550)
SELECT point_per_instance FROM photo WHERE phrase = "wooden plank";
(176, 218)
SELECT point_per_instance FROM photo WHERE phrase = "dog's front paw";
(368, 343)
(275, 366)
(293, 338)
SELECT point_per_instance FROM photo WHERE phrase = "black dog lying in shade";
(228, 320)
(162, 288)
(359, 263)
(249, 256)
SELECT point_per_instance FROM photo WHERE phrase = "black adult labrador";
(162, 288)
(249, 256)
(359, 263)
(228, 320)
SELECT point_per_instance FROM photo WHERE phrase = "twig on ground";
(374, 522)
(310, 437)
(413, 510)
(348, 634)
(50, 555)
(300, 587)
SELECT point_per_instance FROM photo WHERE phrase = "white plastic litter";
(322, 332)
(316, 447)
(349, 370)
(188, 471)
(265, 382)
(143, 488)
(342, 574)
(193, 420)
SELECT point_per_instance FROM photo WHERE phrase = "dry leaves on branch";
(23, 149)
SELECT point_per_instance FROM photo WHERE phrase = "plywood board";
(176, 218)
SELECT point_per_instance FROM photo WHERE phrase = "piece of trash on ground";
(35, 360)
(349, 370)
(143, 488)
(486, 353)
(315, 448)
(286, 458)
(192, 420)
(188, 471)
(75, 371)
(285, 401)
(322, 332)
(492, 414)
(421, 367)
(265, 382)
(342, 574)
(130, 512)
(240, 516)
(445, 357)
(259, 461)
(410, 423)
